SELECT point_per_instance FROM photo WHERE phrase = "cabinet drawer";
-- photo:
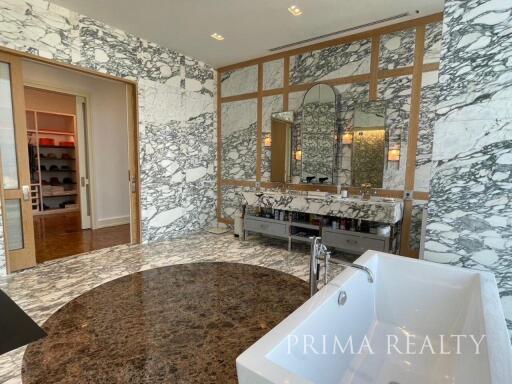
(357, 243)
(273, 228)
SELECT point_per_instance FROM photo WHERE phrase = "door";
(83, 162)
(15, 172)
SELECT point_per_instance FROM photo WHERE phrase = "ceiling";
(250, 27)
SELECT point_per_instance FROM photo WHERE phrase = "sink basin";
(409, 302)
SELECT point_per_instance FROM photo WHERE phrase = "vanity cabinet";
(354, 242)
(266, 226)
(346, 241)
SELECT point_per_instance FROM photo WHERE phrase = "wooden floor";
(60, 235)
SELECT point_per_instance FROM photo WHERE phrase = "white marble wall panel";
(239, 81)
(433, 40)
(176, 106)
(160, 64)
(107, 49)
(271, 104)
(339, 61)
(397, 94)
(232, 200)
(199, 77)
(239, 119)
(426, 131)
(397, 49)
(470, 211)
(39, 28)
(273, 74)
(416, 223)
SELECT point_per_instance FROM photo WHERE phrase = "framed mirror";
(317, 150)
(280, 144)
(369, 144)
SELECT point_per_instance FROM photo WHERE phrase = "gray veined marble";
(107, 49)
(433, 40)
(273, 74)
(470, 209)
(239, 81)
(426, 131)
(397, 94)
(199, 77)
(378, 211)
(160, 64)
(177, 124)
(39, 28)
(416, 223)
(339, 61)
(239, 139)
(397, 49)
(232, 200)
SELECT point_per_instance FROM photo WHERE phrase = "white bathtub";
(416, 303)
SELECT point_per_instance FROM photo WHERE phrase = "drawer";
(356, 243)
(267, 227)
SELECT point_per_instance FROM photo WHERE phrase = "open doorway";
(78, 140)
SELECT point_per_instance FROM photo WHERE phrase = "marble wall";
(470, 211)
(238, 136)
(330, 63)
(397, 50)
(177, 122)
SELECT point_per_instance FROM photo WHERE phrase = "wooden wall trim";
(286, 83)
(374, 67)
(376, 74)
(259, 124)
(342, 40)
(219, 146)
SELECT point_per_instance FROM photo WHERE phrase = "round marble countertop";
(183, 323)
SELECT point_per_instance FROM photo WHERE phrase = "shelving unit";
(349, 241)
(53, 190)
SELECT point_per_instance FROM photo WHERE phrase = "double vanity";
(353, 225)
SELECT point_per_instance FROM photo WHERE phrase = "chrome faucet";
(319, 252)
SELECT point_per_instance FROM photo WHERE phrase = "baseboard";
(112, 221)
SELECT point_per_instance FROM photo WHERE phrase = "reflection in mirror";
(280, 143)
(369, 144)
(318, 135)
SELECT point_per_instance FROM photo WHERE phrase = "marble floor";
(42, 290)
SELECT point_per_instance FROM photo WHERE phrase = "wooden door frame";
(25, 257)
(133, 138)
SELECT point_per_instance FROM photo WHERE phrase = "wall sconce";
(298, 155)
(267, 141)
(394, 155)
(347, 138)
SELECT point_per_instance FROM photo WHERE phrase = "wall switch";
(408, 195)
(257, 185)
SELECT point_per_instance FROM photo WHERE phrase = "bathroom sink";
(411, 303)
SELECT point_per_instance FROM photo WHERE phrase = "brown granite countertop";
(184, 323)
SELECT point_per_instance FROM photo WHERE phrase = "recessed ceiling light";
(294, 10)
(216, 36)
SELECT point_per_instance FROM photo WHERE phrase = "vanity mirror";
(318, 135)
(311, 146)
(369, 144)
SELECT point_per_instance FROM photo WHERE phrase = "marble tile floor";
(43, 290)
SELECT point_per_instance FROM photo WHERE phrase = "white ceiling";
(250, 27)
